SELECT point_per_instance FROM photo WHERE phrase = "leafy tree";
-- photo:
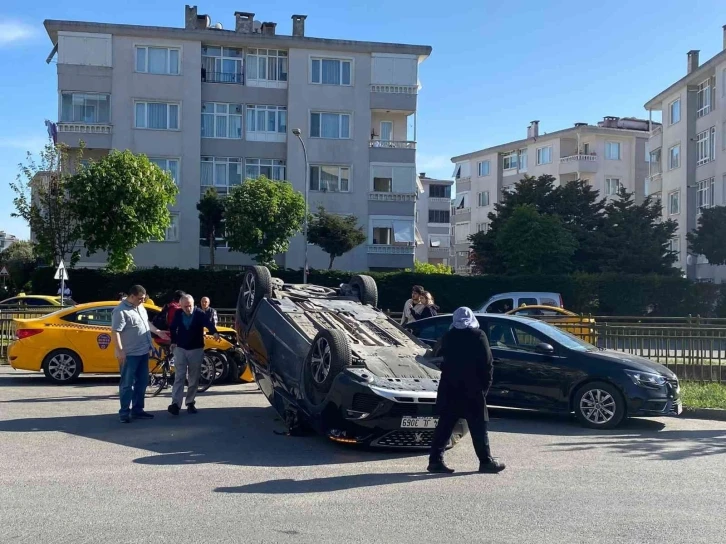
(261, 216)
(41, 199)
(121, 201)
(20, 261)
(430, 268)
(336, 235)
(211, 215)
(534, 243)
(709, 238)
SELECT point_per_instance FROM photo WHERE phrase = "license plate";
(419, 422)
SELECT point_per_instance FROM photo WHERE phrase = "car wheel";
(599, 405)
(62, 366)
(256, 285)
(329, 355)
(221, 365)
(365, 289)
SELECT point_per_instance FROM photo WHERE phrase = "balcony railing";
(392, 197)
(84, 128)
(462, 211)
(222, 77)
(463, 179)
(657, 130)
(391, 250)
(440, 249)
(579, 157)
(441, 199)
(396, 89)
(393, 144)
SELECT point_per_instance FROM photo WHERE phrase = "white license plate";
(419, 422)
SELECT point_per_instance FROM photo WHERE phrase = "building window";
(484, 168)
(172, 231)
(157, 115)
(654, 162)
(482, 227)
(674, 157)
(439, 241)
(675, 247)
(219, 237)
(334, 126)
(509, 161)
(706, 191)
(329, 178)
(483, 199)
(674, 111)
(220, 173)
(461, 232)
(330, 71)
(522, 158)
(439, 191)
(392, 232)
(612, 186)
(440, 216)
(674, 203)
(222, 65)
(157, 60)
(85, 108)
(266, 120)
(266, 65)
(221, 120)
(706, 146)
(544, 155)
(703, 99)
(393, 179)
(270, 168)
(171, 166)
(612, 151)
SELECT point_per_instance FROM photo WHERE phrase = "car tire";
(256, 285)
(365, 289)
(221, 363)
(62, 366)
(329, 355)
(599, 405)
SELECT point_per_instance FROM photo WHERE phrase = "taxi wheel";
(221, 365)
(62, 366)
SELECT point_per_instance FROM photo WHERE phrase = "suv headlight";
(646, 379)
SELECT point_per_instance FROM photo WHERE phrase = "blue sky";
(495, 66)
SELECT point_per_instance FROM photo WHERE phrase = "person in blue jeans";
(131, 331)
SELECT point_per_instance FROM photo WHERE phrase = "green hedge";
(605, 294)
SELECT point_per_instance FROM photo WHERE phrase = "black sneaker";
(439, 467)
(125, 419)
(191, 408)
(492, 466)
(173, 409)
(142, 415)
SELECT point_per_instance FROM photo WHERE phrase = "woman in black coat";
(466, 375)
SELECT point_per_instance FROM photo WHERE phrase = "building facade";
(433, 220)
(609, 155)
(6, 240)
(688, 154)
(215, 106)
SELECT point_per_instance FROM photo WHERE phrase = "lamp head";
(296, 131)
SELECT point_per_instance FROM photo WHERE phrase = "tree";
(709, 238)
(211, 216)
(121, 201)
(534, 243)
(20, 262)
(430, 268)
(41, 199)
(261, 216)
(335, 234)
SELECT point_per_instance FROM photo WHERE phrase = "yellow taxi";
(76, 340)
(23, 300)
(581, 326)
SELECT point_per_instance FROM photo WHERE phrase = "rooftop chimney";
(422, 174)
(268, 29)
(298, 25)
(192, 21)
(535, 129)
(243, 22)
(693, 60)
(724, 37)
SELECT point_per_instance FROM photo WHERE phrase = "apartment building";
(688, 154)
(215, 106)
(433, 220)
(609, 155)
(6, 240)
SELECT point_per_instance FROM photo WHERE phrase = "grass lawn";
(703, 395)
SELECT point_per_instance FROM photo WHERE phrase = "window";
(157, 115)
(439, 240)
(266, 65)
(219, 236)
(513, 337)
(388, 231)
(330, 125)
(706, 146)
(544, 155)
(440, 216)
(168, 165)
(85, 108)
(674, 247)
(172, 231)
(612, 186)
(265, 121)
(220, 173)
(222, 64)
(393, 179)
(439, 191)
(674, 157)
(612, 151)
(482, 227)
(483, 199)
(330, 71)
(654, 162)
(100, 317)
(522, 158)
(462, 232)
(674, 203)
(706, 191)
(270, 168)
(484, 168)
(703, 99)
(334, 179)
(157, 60)
(509, 161)
(674, 111)
(462, 201)
(221, 120)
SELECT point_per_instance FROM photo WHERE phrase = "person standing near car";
(466, 375)
(427, 307)
(211, 312)
(408, 308)
(164, 318)
(131, 332)
(187, 344)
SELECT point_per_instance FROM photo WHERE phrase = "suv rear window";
(500, 306)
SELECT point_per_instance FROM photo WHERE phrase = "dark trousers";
(477, 428)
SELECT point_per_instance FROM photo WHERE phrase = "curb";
(713, 414)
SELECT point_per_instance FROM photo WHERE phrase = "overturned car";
(330, 360)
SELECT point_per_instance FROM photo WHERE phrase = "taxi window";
(31, 301)
(99, 317)
(11, 302)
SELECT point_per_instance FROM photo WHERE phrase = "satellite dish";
(218, 26)
(256, 26)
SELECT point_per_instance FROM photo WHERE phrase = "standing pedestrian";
(131, 332)
(164, 318)
(211, 312)
(427, 305)
(187, 343)
(466, 375)
(408, 308)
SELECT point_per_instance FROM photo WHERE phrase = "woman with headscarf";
(466, 375)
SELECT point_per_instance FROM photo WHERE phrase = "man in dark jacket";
(466, 375)
(187, 343)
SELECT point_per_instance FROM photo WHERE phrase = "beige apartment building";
(688, 154)
(215, 106)
(609, 155)
(433, 220)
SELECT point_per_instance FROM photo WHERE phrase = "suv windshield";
(564, 338)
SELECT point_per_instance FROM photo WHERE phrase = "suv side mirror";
(544, 349)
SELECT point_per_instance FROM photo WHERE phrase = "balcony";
(222, 77)
(393, 97)
(653, 184)
(382, 249)
(463, 185)
(440, 199)
(382, 196)
(462, 211)
(392, 151)
(94, 136)
(656, 138)
(579, 163)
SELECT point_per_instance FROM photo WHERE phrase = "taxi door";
(90, 336)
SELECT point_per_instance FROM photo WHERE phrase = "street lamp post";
(297, 132)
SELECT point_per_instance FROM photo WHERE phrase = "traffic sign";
(61, 273)
(4, 271)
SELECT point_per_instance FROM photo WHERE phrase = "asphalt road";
(70, 472)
